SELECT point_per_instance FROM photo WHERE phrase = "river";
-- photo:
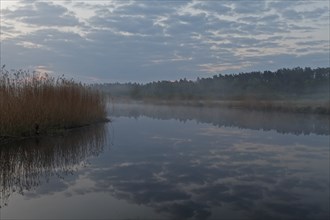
(170, 162)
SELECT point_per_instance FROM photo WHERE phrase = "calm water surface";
(172, 163)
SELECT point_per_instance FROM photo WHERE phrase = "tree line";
(304, 83)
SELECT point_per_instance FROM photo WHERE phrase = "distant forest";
(296, 83)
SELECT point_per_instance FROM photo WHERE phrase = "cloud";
(220, 8)
(316, 13)
(292, 15)
(145, 41)
(249, 7)
(42, 14)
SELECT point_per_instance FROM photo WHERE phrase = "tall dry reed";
(30, 102)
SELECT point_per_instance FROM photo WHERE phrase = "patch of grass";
(31, 103)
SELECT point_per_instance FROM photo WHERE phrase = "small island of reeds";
(35, 104)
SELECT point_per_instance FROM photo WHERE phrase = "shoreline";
(5, 139)
(299, 106)
(34, 106)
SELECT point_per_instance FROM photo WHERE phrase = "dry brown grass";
(27, 99)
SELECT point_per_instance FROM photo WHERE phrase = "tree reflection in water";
(285, 123)
(25, 164)
(204, 168)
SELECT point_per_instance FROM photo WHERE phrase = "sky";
(151, 40)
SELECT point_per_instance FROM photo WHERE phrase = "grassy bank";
(33, 104)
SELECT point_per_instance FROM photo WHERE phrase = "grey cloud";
(302, 28)
(282, 4)
(17, 56)
(273, 62)
(265, 24)
(70, 49)
(245, 41)
(316, 13)
(255, 19)
(217, 7)
(150, 8)
(130, 24)
(22, 11)
(187, 24)
(292, 15)
(139, 40)
(68, 52)
(269, 18)
(288, 10)
(156, 47)
(43, 14)
(249, 7)
(269, 25)
(250, 18)
(84, 5)
(55, 41)
(271, 29)
(312, 42)
(6, 28)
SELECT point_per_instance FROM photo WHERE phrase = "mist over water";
(162, 162)
(228, 117)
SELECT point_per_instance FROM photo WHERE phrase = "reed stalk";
(31, 102)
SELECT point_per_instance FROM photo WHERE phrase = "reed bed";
(31, 103)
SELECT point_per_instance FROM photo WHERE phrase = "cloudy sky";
(142, 41)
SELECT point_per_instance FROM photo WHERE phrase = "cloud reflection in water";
(186, 166)
(26, 164)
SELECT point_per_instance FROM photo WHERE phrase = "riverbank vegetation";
(33, 104)
(303, 90)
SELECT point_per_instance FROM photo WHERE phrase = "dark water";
(172, 163)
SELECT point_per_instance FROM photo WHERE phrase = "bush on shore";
(33, 103)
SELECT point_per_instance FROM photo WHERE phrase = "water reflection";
(280, 122)
(25, 164)
(167, 169)
(212, 178)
